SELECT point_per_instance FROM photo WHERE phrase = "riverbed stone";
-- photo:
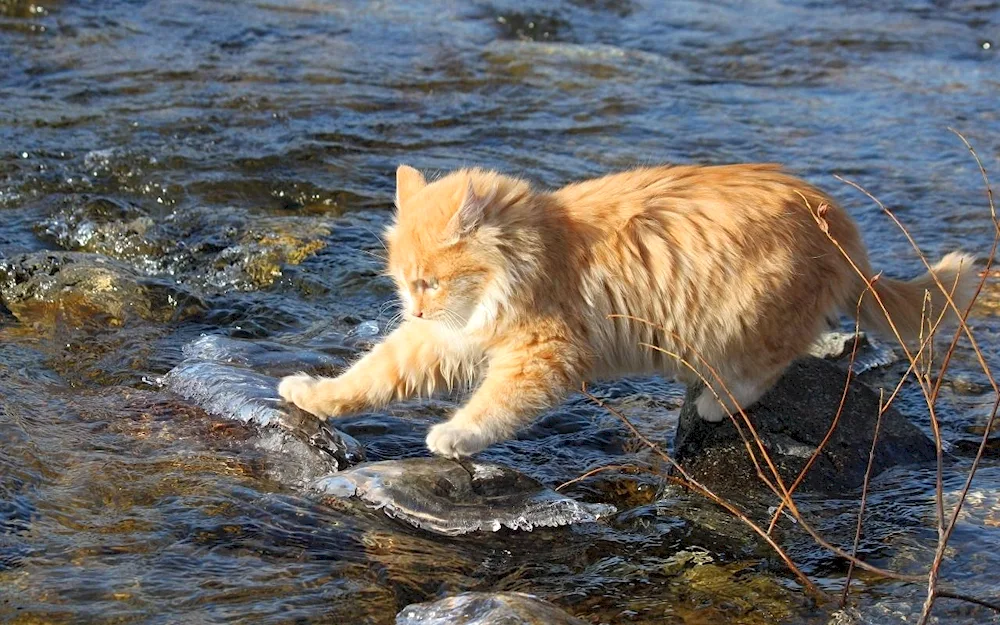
(791, 420)
(211, 251)
(76, 286)
(486, 608)
(452, 497)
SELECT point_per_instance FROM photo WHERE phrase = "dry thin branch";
(920, 364)
(932, 590)
(783, 492)
(964, 328)
(625, 468)
(833, 424)
(785, 497)
(864, 499)
(954, 595)
(692, 483)
(931, 395)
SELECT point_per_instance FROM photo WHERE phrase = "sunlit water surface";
(243, 153)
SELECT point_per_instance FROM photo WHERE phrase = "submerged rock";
(485, 608)
(792, 419)
(235, 392)
(458, 497)
(78, 286)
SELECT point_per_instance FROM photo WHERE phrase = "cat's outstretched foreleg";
(520, 383)
(407, 363)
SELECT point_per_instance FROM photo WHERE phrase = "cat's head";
(446, 247)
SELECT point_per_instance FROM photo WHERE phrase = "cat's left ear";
(408, 182)
(471, 213)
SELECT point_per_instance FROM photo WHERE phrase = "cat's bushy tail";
(907, 303)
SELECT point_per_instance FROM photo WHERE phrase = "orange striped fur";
(516, 291)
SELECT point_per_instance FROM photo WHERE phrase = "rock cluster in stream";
(78, 286)
(209, 251)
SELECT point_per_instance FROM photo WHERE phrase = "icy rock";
(233, 391)
(267, 357)
(484, 608)
(458, 497)
(366, 329)
(871, 352)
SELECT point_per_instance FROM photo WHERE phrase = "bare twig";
(945, 594)
(780, 490)
(864, 498)
(692, 483)
(920, 359)
(624, 468)
(836, 417)
(945, 529)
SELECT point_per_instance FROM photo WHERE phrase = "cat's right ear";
(408, 182)
(471, 212)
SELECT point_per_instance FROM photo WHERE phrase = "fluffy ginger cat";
(517, 291)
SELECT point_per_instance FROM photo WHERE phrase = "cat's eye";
(425, 285)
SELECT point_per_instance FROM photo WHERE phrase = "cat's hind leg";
(715, 404)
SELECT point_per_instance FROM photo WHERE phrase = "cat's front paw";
(457, 439)
(302, 390)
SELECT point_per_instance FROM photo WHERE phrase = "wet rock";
(215, 251)
(100, 225)
(484, 608)
(792, 419)
(846, 616)
(77, 286)
(235, 392)
(458, 497)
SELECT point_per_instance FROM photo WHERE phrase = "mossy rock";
(77, 288)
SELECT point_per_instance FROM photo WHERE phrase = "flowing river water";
(236, 159)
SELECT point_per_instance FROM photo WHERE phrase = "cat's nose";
(418, 313)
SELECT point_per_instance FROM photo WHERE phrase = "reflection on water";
(238, 157)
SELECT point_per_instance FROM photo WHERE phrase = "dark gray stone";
(792, 419)
(458, 497)
(484, 608)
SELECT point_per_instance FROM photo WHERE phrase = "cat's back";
(706, 252)
(751, 190)
(709, 214)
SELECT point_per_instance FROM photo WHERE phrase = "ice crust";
(458, 497)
